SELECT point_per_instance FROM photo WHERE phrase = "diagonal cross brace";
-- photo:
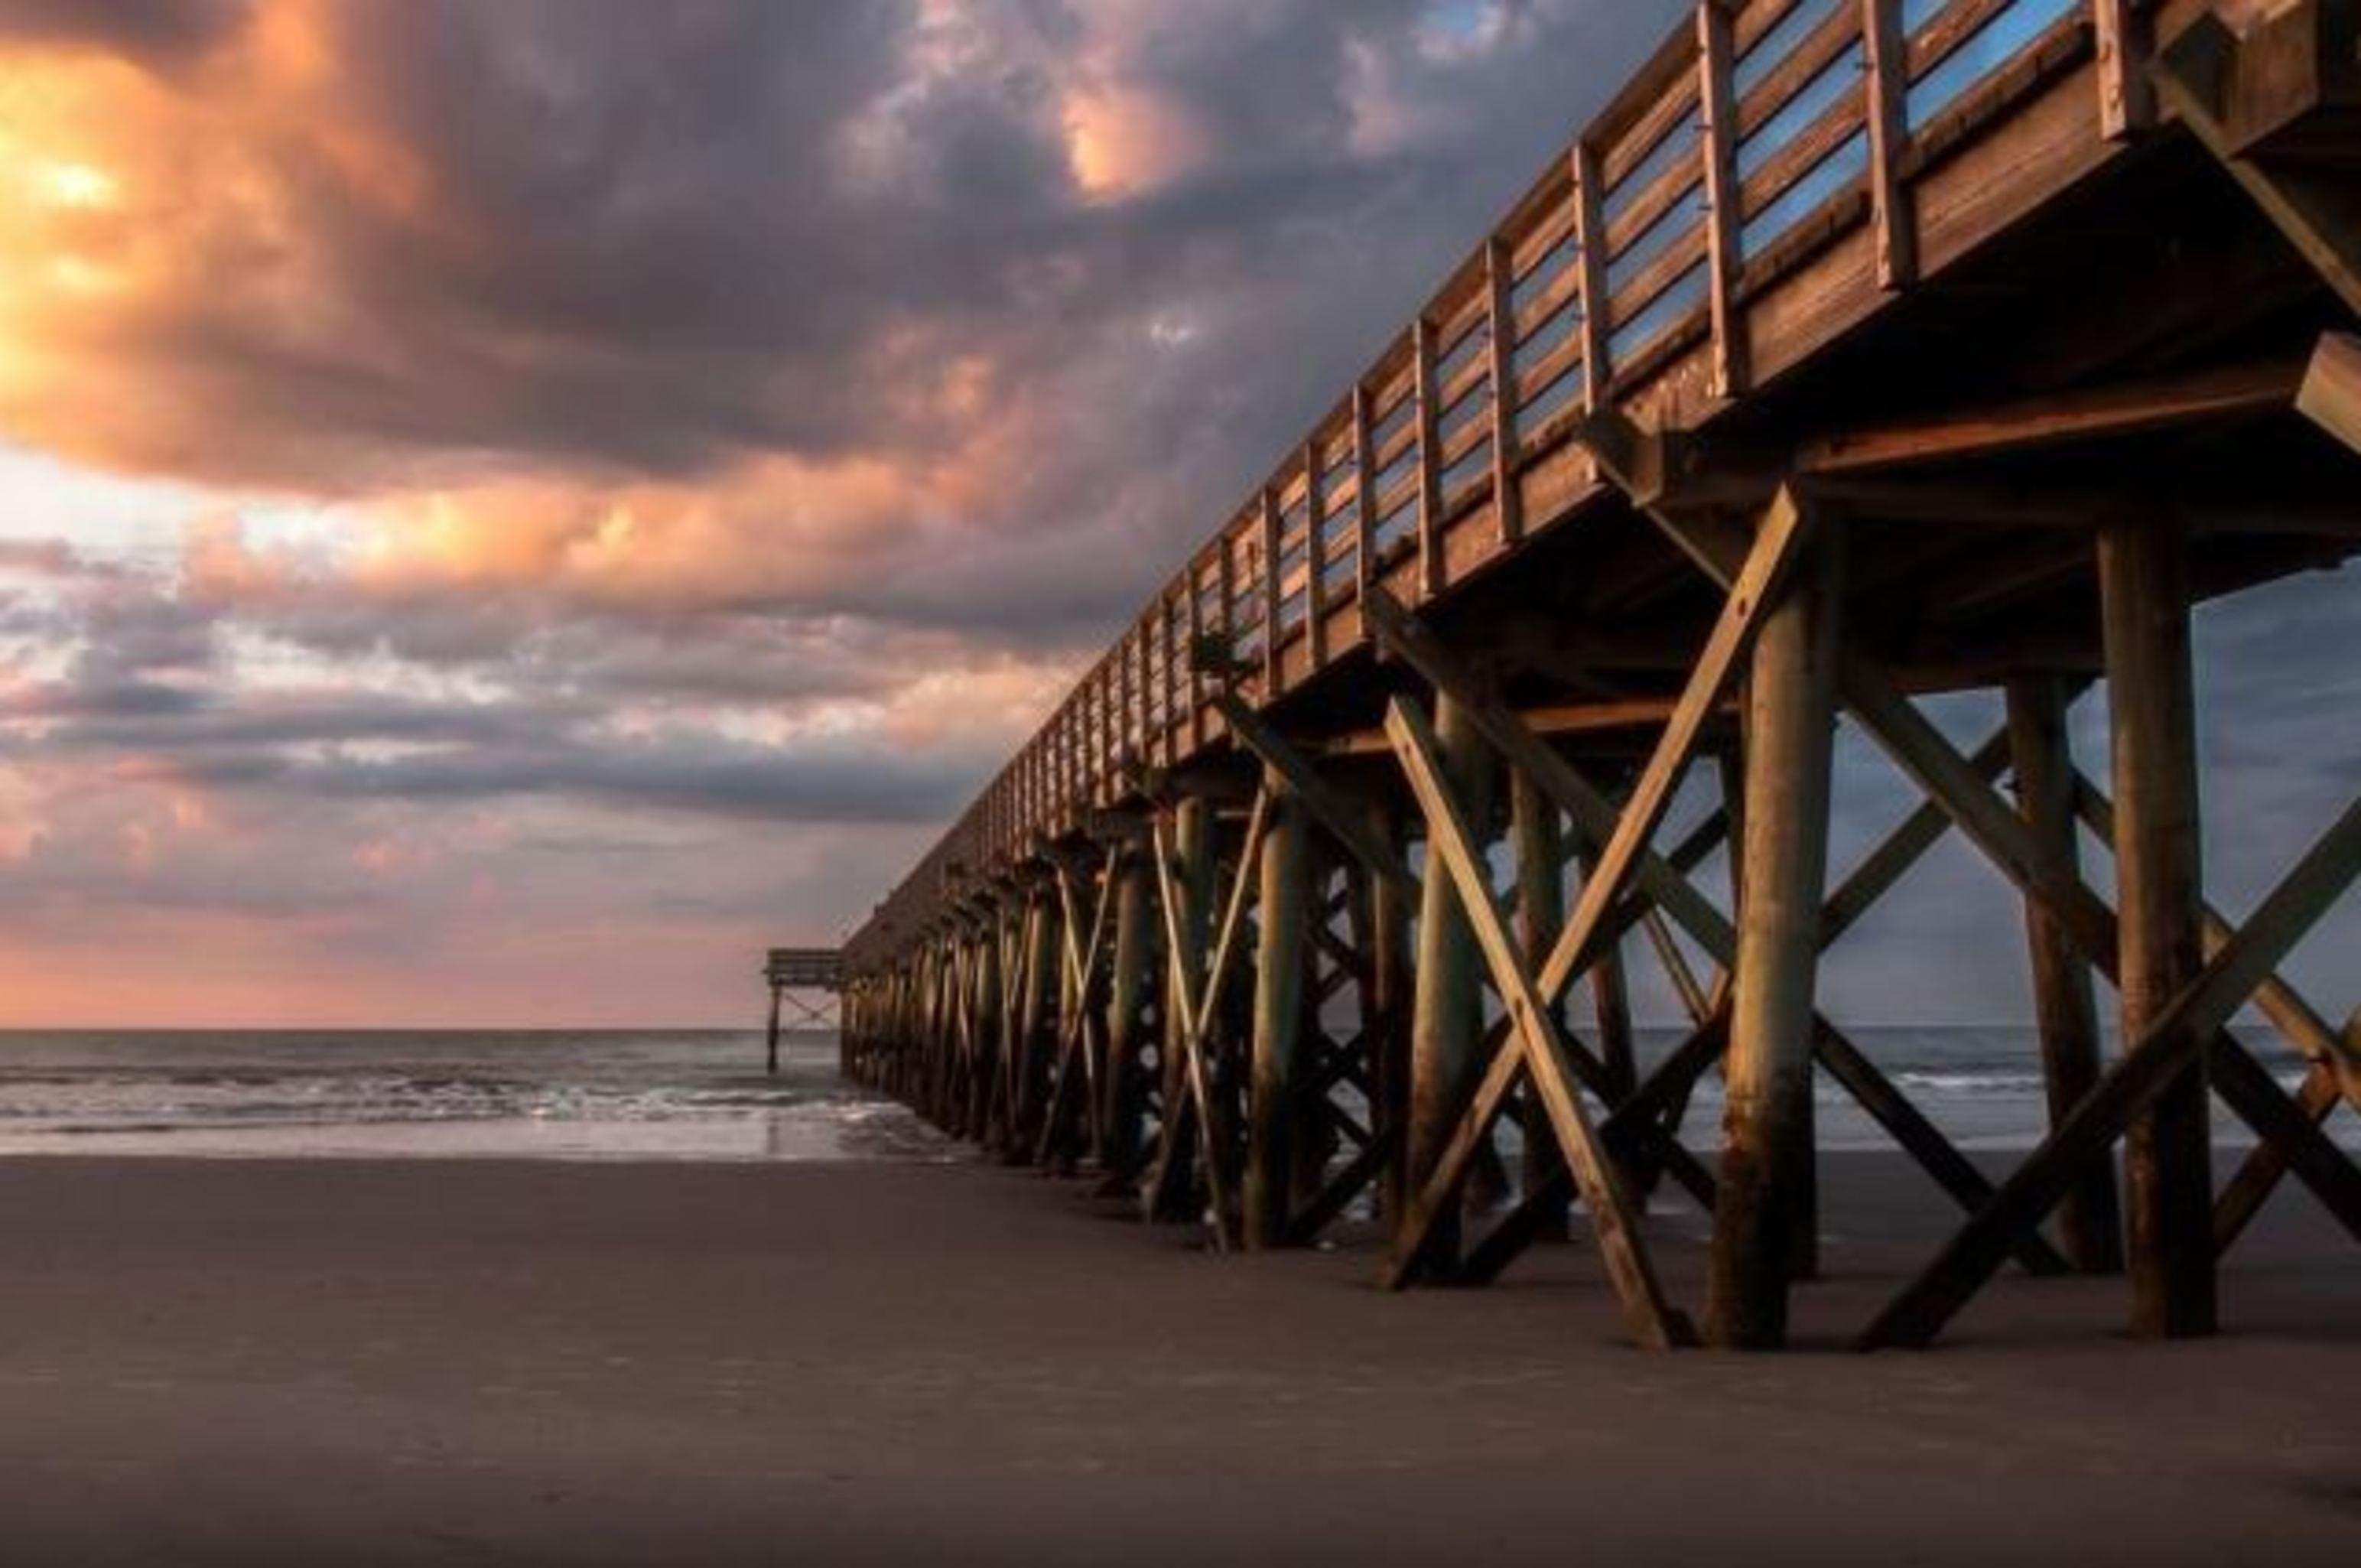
(1198, 1010)
(1649, 1315)
(1948, 779)
(1594, 814)
(2188, 1027)
(1777, 543)
(1081, 964)
(1329, 809)
(1664, 882)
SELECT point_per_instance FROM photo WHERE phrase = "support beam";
(1951, 781)
(1460, 865)
(1790, 732)
(1595, 816)
(1611, 1005)
(1387, 1017)
(2055, 418)
(1028, 1065)
(1335, 812)
(1129, 984)
(1283, 866)
(2244, 1195)
(2145, 601)
(1540, 860)
(2296, 1020)
(1777, 543)
(1886, 865)
(1446, 1010)
(2064, 1006)
(1918, 1137)
(2283, 1123)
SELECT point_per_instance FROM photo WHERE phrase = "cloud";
(480, 472)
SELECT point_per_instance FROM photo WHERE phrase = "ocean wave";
(1971, 1083)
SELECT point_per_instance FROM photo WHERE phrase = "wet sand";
(327, 1362)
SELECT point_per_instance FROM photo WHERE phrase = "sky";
(507, 510)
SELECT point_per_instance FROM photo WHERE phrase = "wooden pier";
(1860, 351)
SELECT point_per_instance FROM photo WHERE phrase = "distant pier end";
(808, 980)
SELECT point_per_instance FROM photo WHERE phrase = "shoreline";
(456, 1361)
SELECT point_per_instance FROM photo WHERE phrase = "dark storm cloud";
(151, 31)
(650, 237)
(144, 697)
(694, 774)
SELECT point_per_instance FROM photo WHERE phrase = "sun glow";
(1122, 142)
(80, 186)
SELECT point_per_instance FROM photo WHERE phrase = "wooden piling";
(1128, 984)
(1029, 1065)
(2168, 1155)
(1446, 1004)
(2065, 1013)
(1803, 1186)
(1386, 1023)
(771, 1056)
(1275, 1078)
(1539, 849)
(1790, 734)
(992, 1010)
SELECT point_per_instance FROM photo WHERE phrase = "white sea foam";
(677, 1095)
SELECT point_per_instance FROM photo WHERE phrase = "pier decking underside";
(1271, 976)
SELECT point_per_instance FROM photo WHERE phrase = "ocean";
(668, 1095)
(702, 1095)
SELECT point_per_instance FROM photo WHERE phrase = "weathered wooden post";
(967, 1108)
(1540, 853)
(1388, 1020)
(770, 1055)
(1767, 1144)
(1127, 990)
(1446, 1005)
(1030, 1067)
(997, 1085)
(1275, 1083)
(2065, 1011)
(1803, 1227)
(2168, 1156)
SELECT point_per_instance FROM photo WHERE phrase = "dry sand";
(251, 1364)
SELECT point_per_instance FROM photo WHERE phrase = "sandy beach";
(253, 1362)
